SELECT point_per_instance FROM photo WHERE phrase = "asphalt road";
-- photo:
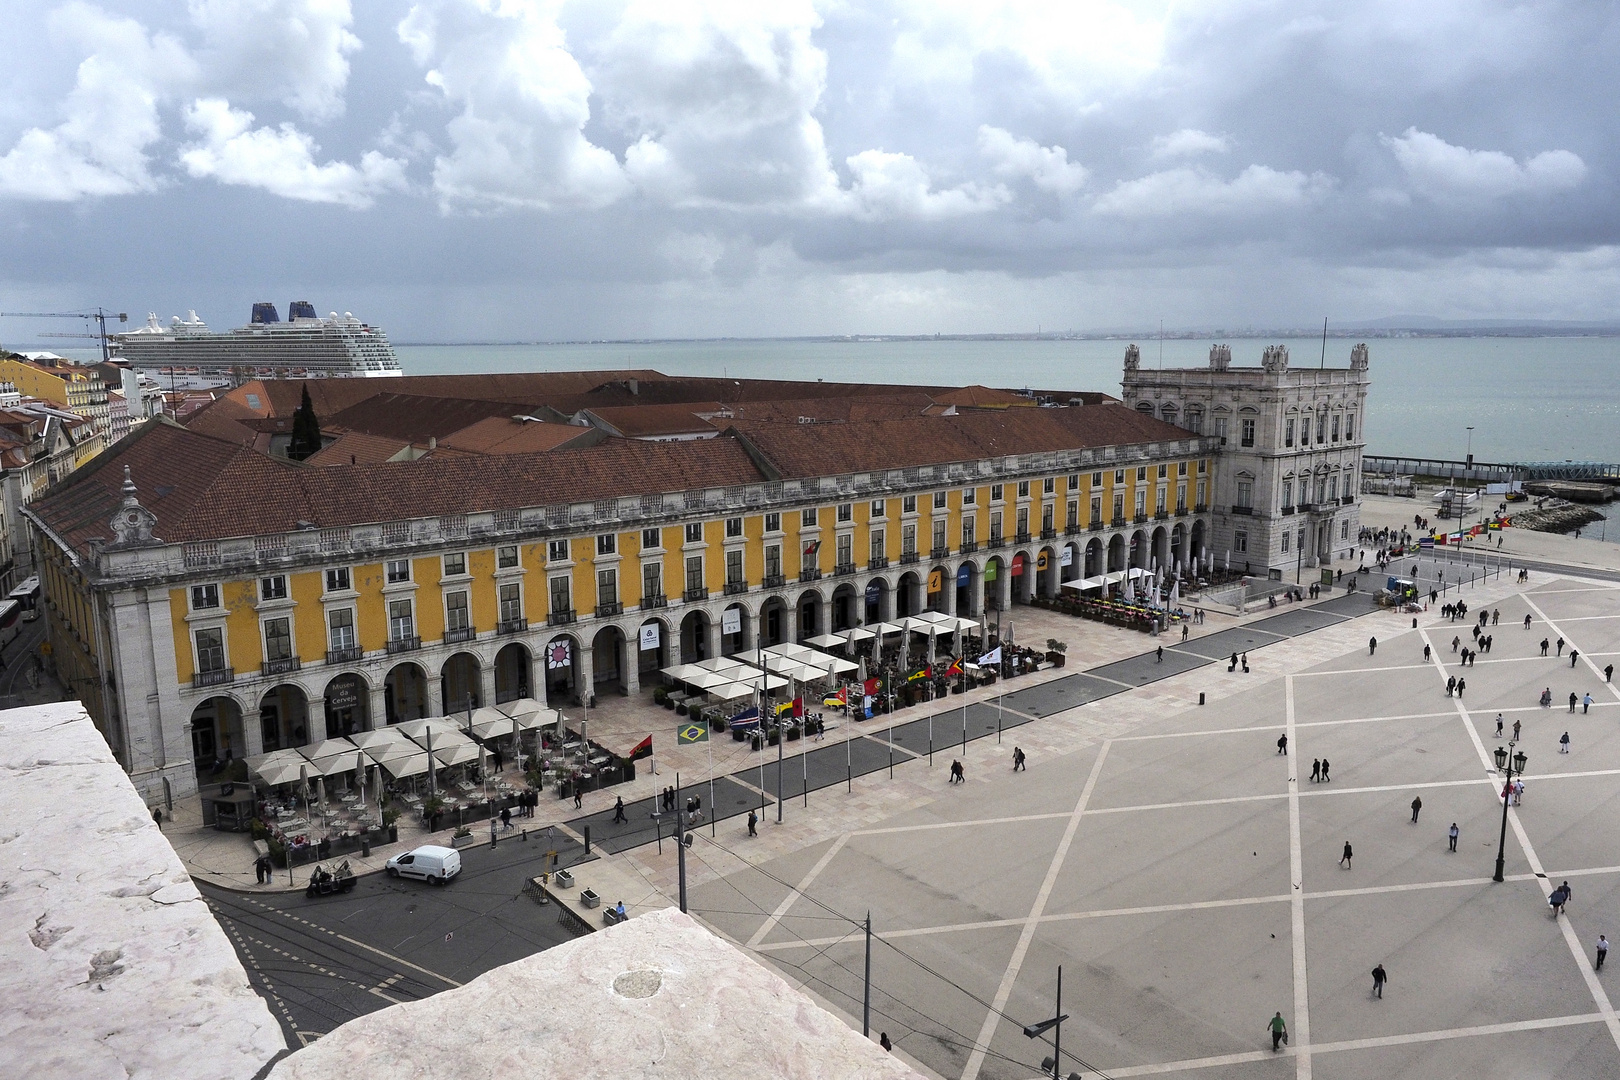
(320, 962)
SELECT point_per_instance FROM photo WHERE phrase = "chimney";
(433, 442)
(635, 386)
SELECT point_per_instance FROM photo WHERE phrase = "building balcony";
(812, 573)
(217, 677)
(1049, 533)
(968, 547)
(343, 656)
(1285, 511)
(518, 626)
(878, 562)
(465, 633)
(1181, 511)
(1201, 508)
(653, 601)
(1139, 519)
(736, 588)
(1348, 500)
(1072, 529)
(1117, 520)
(1161, 515)
(995, 542)
(907, 557)
(1023, 537)
(694, 595)
(1243, 511)
(560, 618)
(280, 667)
(404, 644)
(1309, 507)
(843, 569)
(938, 552)
(1095, 526)
(775, 581)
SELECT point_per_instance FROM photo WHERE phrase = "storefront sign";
(649, 637)
(731, 621)
(343, 694)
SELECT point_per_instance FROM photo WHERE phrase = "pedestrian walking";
(1185, 630)
(1158, 656)
(1518, 793)
(1344, 860)
(1456, 643)
(1498, 725)
(1452, 834)
(1563, 743)
(1372, 646)
(957, 773)
(1380, 977)
(1316, 770)
(1417, 804)
(1245, 663)
(1560, 646)
(579, 794)
(1018, 760)
(157, 816)
(1462, 684)
(618, 811)
(506, 819)
(1426, 650)
(1574, 655)
(1324, 770)
(1279, 1031)
(1572, 700)
(1282, 745)
(1602, 952)
(1496, 616)
(1233, 665)
(1544, 645)
(1586, 704)
(1557, 901)
(1608, 673)
(753, 823)
(1451, 685)
(1526, 618)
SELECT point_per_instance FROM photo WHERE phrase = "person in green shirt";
(1279, 1031)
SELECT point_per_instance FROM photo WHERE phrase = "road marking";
(357, 944)
(1296, 875)
(1360, 1044)
(1010, 976)
(792, 897)
(957, 824)
(1615, 690)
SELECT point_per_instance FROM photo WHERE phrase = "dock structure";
(1492, 472)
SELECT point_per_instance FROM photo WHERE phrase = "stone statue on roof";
(132, 525)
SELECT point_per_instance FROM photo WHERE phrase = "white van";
(434, 864)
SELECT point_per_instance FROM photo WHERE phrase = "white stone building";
(1286, 487)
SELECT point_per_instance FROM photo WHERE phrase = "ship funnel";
(265, 313)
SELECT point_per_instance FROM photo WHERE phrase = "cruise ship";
(305, 346)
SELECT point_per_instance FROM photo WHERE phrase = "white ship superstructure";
(304, 346)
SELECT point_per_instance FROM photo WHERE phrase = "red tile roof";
(204, 488)
(802, 450)
(357, 448)
(503, 435)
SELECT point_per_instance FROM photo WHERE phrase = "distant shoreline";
(1365, 333)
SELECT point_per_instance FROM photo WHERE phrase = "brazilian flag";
(692, 733)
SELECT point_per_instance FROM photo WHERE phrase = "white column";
(630, 662)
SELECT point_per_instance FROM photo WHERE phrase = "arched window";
(1145, 407)
(1195, 419)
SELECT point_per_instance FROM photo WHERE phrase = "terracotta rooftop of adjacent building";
(506, 435)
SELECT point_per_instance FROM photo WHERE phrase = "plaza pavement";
(1187, 877)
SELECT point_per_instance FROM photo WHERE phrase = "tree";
(306, 430)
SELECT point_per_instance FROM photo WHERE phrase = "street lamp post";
(1055, 1026)
(1507, 761)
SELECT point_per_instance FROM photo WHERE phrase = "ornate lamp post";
(1507, 761)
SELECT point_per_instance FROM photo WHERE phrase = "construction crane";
(99, 315)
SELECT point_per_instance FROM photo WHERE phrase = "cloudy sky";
(524, 170)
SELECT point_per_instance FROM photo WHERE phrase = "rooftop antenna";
(1323, 365)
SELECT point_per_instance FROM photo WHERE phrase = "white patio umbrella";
(1130, 587)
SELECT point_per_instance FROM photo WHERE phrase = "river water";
(1527, 399)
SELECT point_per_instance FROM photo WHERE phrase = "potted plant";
(390, 819)
(660, 695)
(680, 709)
(564, 879)
(461, 838)
(1055, 650)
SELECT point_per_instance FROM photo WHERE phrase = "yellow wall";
(34, 382)
(367, 579)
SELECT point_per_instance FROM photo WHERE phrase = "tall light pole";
(1507, 760)
(1050, 1066)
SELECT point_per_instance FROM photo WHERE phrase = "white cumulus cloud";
(523, 101)
(109, 119)
(889, 185)
(292, 51)
(280, 160)
(720, 98)
(1047, 167)
(1189, 142)
(1197, 191)
(1443, 172)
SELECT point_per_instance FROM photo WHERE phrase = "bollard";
(587, 839)
(1200, 697)
(1414, 624)
(365, 847)
(524, 836)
